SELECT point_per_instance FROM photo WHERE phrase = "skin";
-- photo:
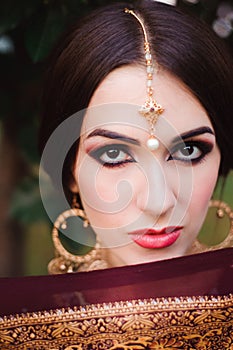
(145, 189)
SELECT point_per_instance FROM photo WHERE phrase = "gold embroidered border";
(203, 323)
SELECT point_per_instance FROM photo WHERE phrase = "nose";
(155, 191)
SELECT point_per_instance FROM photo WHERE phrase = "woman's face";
(145, 205)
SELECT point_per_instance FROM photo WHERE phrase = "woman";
(154, 88)
(144, 204)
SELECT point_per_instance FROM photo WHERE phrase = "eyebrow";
(194, 132)
(113, 135)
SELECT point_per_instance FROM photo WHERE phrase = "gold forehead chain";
(151, 110)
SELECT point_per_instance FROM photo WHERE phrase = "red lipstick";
(154, 239)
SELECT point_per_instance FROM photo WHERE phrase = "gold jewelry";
(192, 322)
(65, 262)
(223, 212)
(151, 110)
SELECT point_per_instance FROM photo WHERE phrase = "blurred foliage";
(28, 31)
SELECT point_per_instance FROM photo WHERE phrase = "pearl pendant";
(152, 143)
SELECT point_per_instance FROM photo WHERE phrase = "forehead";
(118, 98)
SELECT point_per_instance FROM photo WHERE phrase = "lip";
(156, 239)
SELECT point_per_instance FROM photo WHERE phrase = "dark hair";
(108, 38)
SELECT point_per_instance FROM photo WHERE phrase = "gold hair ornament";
(151, 110)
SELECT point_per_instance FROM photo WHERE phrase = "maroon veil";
(182, 302)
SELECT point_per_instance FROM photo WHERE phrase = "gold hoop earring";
(223, 213)
(66, 262)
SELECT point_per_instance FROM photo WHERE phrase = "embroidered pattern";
(202, 323)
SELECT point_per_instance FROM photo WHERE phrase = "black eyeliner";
(97, 153)
(204, 146)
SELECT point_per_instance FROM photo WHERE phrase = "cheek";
(205, 178)
(109, 196)
(97, 189)
(107, 192)
(201, 195)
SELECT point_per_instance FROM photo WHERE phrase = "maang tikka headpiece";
(151, 110)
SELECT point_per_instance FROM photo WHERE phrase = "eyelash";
(97, 153)
(202, 147)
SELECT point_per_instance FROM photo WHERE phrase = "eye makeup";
(112, 155)
(193, 151)
(188, 148)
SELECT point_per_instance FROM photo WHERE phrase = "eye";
(112, 155)
(190, 151)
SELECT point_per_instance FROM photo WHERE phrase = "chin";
(159, 255)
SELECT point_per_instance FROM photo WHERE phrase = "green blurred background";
(28, 31)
